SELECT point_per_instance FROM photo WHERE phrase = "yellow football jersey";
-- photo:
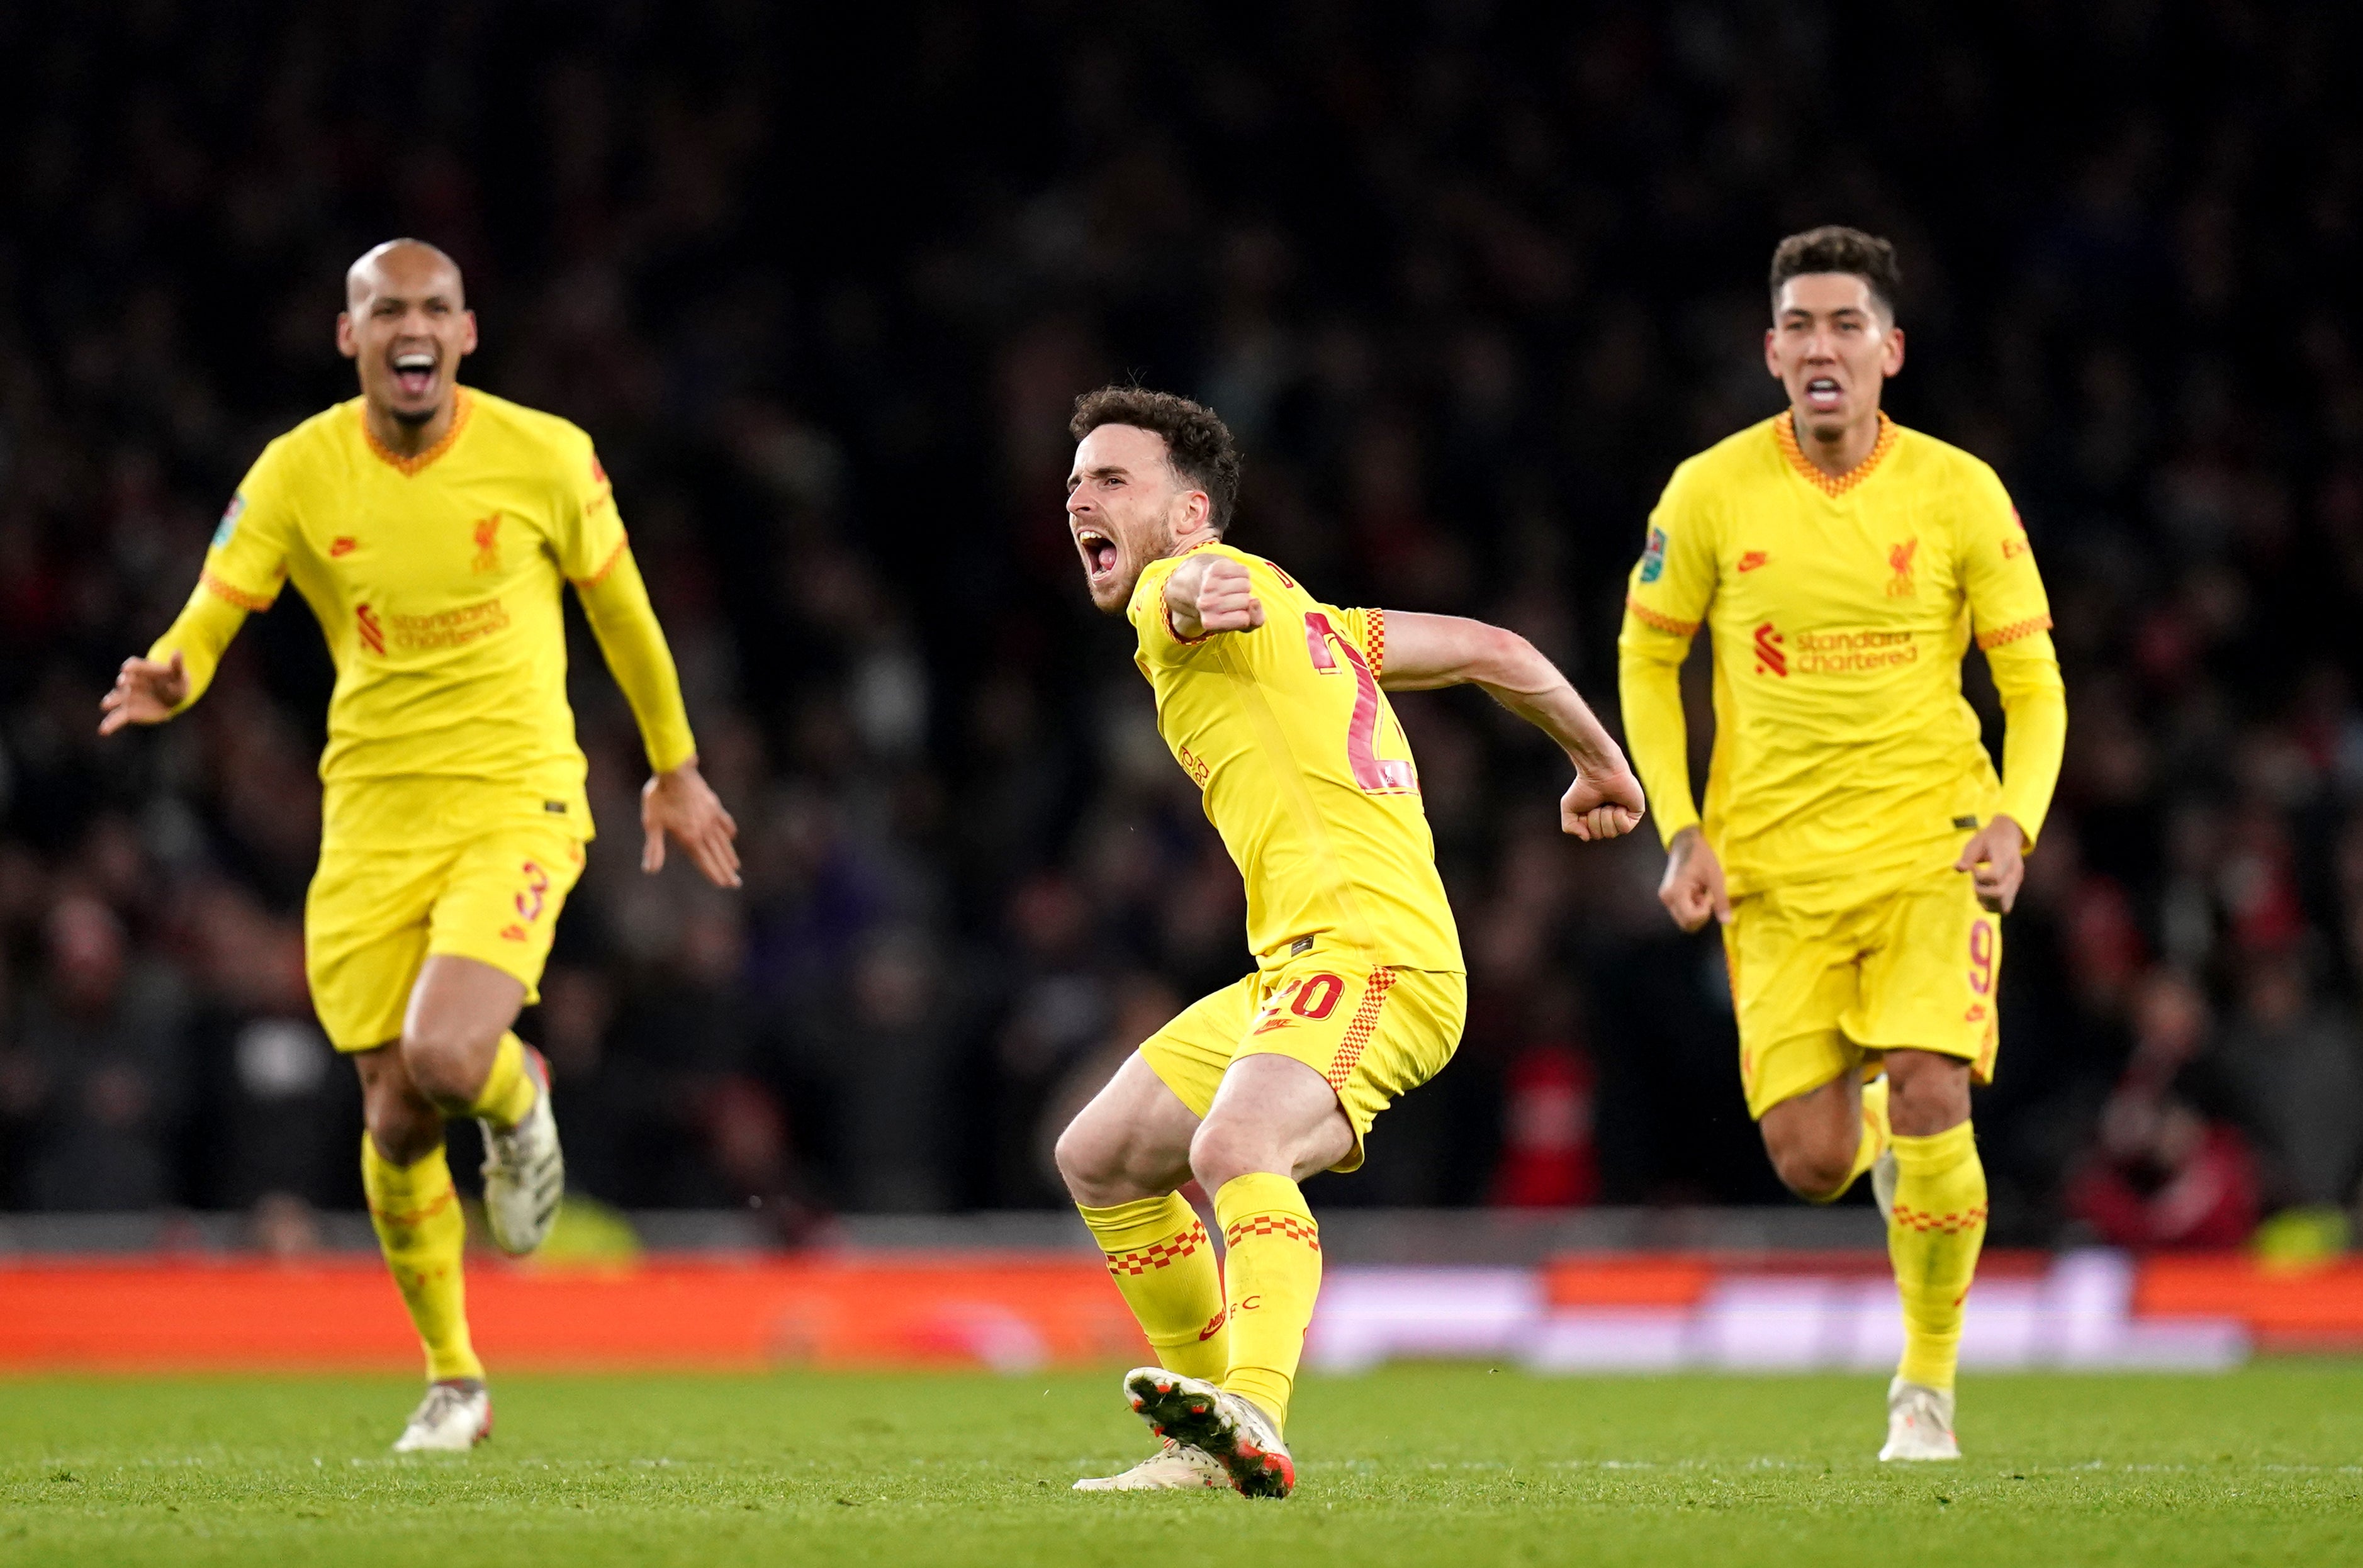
(1304, 769)
(1840, 608)
(435, 580)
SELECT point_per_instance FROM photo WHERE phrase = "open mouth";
(1098, 551)
(414, 372)
(1822, 394)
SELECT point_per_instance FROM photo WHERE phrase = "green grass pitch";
(1414, 1464)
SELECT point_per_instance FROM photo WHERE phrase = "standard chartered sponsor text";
(1853, 653)
(449, 628)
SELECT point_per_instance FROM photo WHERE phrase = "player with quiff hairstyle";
(1855, 844)
(1274, 703)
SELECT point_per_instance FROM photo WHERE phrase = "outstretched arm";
(1429, 651)
(246, 566)
(676, 799)
(178, 669)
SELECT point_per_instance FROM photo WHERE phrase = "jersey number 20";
(1373, 774)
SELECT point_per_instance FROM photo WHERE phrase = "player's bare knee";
(1104, 1161)
(1815, 1173)
(1223, 1151)
(1086, 1159)
(1927, 1094)
(402, 1125)
(447, 1063)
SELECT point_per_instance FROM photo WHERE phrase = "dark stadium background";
(1467, 279)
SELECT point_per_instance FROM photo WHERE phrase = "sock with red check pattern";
(1932, 1236)
(1273, 1268)
(417, 1215)
(1158, 1253)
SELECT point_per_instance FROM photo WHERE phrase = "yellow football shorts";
(1375, 1033)
(372, 917)
(1828, 976)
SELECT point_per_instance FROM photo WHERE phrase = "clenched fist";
(1693, 887)
(1602, 805)
(1212, 593)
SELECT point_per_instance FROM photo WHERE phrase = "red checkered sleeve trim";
(1163, 1255)
(1359, 1029)
(1374, 642)
(1943, 1224)
(1287, 1225)
(614, 558)
(222, 587)
(1657, 621)
(1167, 610)
(2014, 631)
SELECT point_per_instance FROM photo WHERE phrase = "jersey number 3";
(1373, 774)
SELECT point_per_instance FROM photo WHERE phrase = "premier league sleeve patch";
(1653, 559)
(228, 524)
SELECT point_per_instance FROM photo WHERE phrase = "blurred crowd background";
(1467, 279)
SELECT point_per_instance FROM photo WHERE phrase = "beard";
(414, 418)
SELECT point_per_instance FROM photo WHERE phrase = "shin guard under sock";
(1164, 1264)
(1274, 1274)
(1932, 1236)
(416, 1213)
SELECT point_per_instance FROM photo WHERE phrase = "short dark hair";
(1834, 248)
(1197, 443)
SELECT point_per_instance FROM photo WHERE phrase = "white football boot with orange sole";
(1232, 1432)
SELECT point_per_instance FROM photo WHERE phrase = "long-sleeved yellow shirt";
(436, 581)
(1840, 611)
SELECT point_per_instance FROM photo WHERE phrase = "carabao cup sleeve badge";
(229, 519)
(1653, 559)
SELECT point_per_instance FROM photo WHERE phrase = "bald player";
(430, 527)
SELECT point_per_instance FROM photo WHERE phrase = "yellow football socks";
(1273, 1270)
(1875, 1135)
(509, 1088)
(1158, 1250)
(416, 1212)
(1932, 1236)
